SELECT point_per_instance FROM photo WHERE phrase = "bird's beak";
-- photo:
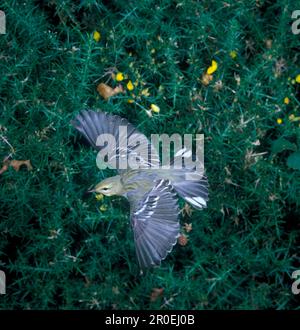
(91, 191)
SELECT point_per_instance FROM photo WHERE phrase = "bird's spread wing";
(98, 127)
(155, 224)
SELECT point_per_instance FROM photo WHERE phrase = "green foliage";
(58, 249)
(282, 144)
(293, 160)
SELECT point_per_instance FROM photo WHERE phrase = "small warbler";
(151, 191)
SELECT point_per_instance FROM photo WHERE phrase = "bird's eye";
(105, 188)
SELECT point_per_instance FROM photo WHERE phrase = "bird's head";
(109, 187)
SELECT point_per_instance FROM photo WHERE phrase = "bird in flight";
(152, 192)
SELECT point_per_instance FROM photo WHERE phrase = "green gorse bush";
(63, 249)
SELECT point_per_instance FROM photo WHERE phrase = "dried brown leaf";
(106, 91)
(4, 168)
(187, 210)
(182, 240)
(206, 79)
(16, 164)
(156, 293)
(188, 227)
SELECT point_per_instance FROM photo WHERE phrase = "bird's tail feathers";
(191, 186)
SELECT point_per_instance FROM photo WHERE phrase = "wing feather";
(93, 124)
(155, 224)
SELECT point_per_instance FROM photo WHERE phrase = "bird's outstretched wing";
(155, 224)
(131, 147)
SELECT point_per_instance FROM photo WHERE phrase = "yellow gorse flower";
(298, 78)
(292, 117)
(279, 121)
(119, 76)
(145, 92)
(96, 36)
(213, 67)
(99, 197)
(286, 100)
(129, 85)
(155, 108)
(233, 54)
(103, 208)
